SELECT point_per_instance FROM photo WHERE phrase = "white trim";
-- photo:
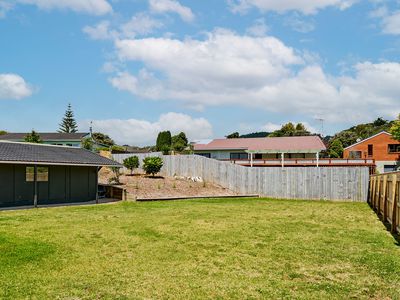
(40, 144)
(371, 137)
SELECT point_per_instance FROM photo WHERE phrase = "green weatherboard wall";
(66, 184)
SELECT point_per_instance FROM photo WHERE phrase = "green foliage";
(179, 142)
(117, 149)
(152, 165)
(33, 137)
(289, 129)
(164, 141)
(68, 123)
(131, 163)
(102, 138)
(395, 129)
(360, 132)
(260, 134)
(115, 179)
(336, 149)
(87, 144)
(2, 132)
(234, 135)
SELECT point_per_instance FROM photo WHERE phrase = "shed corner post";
(251, 159)
(283, 159)
(317, 157)
(35, 187)
(97, 184)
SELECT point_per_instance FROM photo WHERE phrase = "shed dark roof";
(25, 153)
(46, 136)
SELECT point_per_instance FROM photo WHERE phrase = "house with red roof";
(273, 151)
(381, 147)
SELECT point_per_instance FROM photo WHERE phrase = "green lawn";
(227, 248)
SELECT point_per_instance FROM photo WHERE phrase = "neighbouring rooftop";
(26, 153)
(46, 136)
(293, 144)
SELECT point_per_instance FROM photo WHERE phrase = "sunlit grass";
(227, 248)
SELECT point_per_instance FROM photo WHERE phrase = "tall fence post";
(394, 203)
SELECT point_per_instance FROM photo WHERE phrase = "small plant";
(152, 165)
(204, 184)
(174, 186)
(159, 186)
(131, 163)
(115, 179)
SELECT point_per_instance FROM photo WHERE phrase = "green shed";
(34, 174)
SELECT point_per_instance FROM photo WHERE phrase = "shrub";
(131, 163)
(116, 175)
(152, 165)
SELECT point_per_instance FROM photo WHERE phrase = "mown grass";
(229, 248)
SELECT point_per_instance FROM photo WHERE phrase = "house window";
(370, 150)
(239, 156)
(355, 154)
(42, 174)
(29, 174)
(394, 148)
(208, 155)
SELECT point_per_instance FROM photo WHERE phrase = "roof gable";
(369, 138)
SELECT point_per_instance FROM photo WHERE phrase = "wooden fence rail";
(329, 183)
(384, 194)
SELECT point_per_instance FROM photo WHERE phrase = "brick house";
(381, 147)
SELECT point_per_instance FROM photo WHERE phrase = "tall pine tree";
(68, 123)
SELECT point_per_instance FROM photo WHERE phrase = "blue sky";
(210, 67)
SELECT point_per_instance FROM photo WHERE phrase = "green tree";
(164, 141)
(336, 149)
(179, 142)
(152, 165)
(380, 122)
(395, 129)
(33, 137)
(2, 132)
(102, 138)
(131, 163)
(68, 123)
(234, 135)
(87, 144)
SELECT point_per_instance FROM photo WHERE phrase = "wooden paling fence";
(329, 183)
(384, 194)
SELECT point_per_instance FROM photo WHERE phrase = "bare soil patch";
(143, 186)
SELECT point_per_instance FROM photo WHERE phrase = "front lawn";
(227, 248)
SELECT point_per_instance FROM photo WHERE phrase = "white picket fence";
(329, 183)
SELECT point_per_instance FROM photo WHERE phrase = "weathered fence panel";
(384, 198)
(330, 183)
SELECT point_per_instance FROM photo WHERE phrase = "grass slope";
(198, 249)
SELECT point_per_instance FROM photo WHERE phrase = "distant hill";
(255, 134)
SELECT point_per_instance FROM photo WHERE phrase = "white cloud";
(270, 127)
(259, 28)
(100, 31)
(172, 6)
(299, 24)
(303, 6)
(259, 72)
(142, 132)
(391, 23)
(94, 7)
(140, 24)
(13, 86)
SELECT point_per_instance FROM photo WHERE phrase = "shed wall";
(65, 184)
